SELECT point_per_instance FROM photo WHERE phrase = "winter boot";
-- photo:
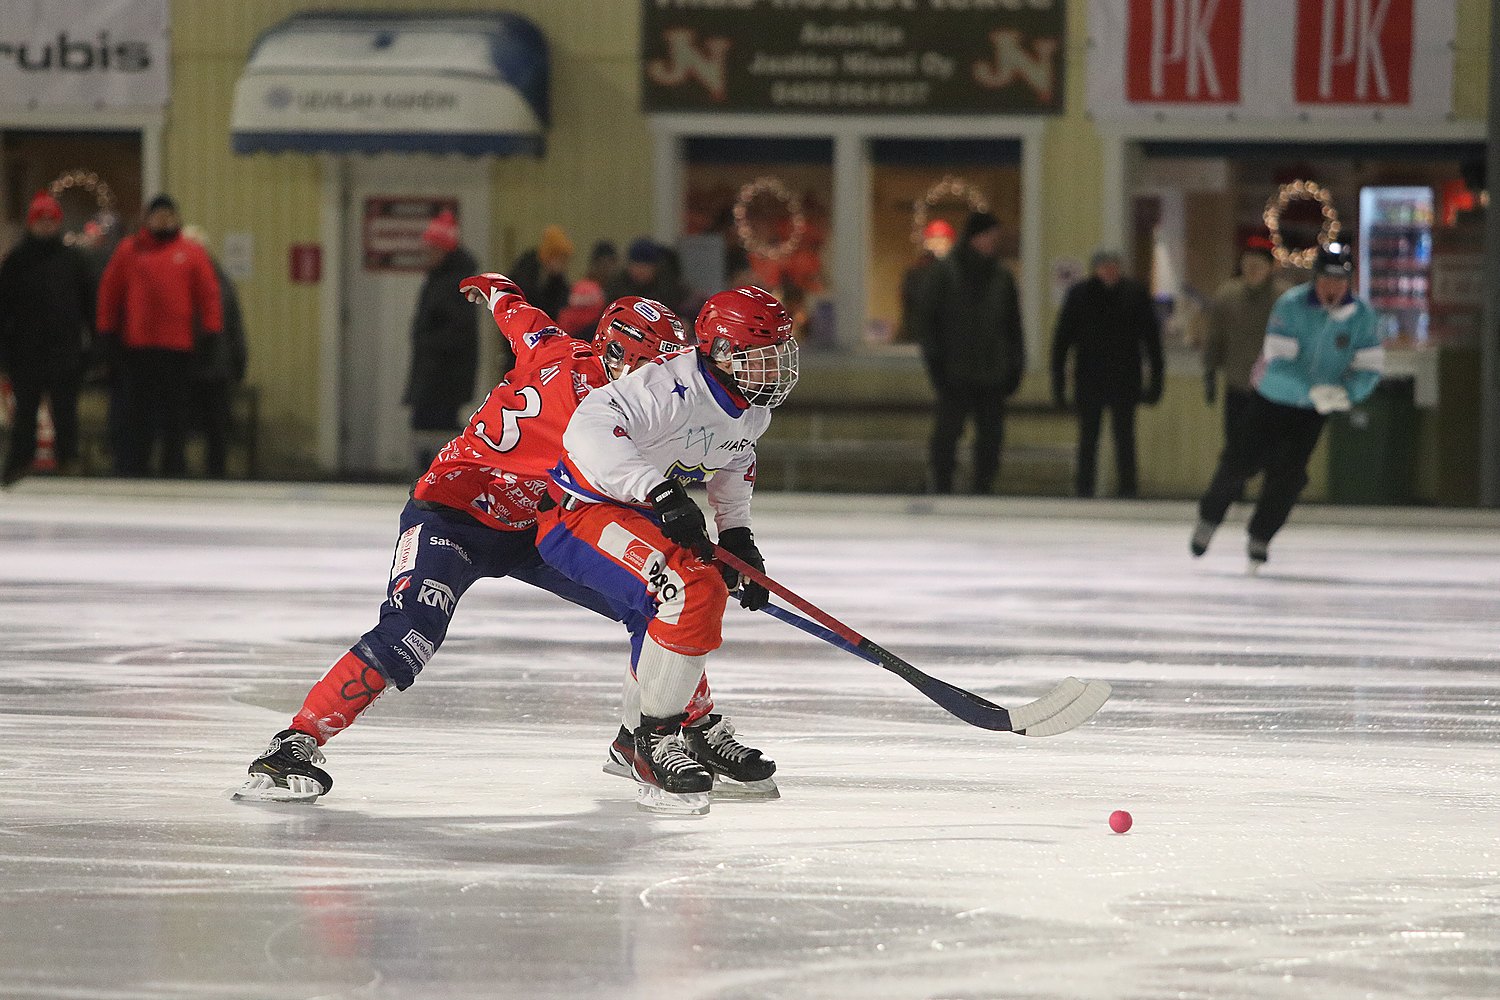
(620, 759)
(1202, 535)
(667, 779)
(736, 767)
(287, 771)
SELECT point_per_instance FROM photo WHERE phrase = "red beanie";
(43, 207)
(442, 232)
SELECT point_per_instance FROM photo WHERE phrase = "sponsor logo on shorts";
(397, 598)
(406, 551)
(448, 543)
(649, 563)
(420, 645)
(435, 594)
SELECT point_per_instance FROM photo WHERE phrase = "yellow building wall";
(594, 181)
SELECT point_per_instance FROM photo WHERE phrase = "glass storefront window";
(757, 209)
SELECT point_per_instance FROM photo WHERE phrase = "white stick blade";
(1073, 715)
(1047, 705)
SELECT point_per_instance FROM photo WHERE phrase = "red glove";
(488, 288)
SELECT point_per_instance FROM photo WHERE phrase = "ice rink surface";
(1310, 757)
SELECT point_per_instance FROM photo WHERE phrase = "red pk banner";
(1278, 60)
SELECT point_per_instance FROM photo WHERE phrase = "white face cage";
(766, 375)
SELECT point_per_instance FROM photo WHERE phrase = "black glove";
(741, 543)
(1151, 393)
(681, 520)
(1210, 389)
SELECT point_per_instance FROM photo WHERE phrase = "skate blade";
(650, 798)
(1254, 568)
(263, 788)
(728, 788)
(614, 767)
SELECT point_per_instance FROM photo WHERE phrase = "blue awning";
(371, 83)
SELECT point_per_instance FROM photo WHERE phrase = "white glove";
(1329, 398)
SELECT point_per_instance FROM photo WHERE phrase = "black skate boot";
(1258, 551)
(620, 760)
(1203, 533)
(287, 771)
(667, 779)
(737, 769)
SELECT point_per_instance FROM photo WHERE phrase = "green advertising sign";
(865, 56)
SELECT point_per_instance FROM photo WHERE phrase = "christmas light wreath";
(754, 244)
(950, 188)
(1298, 191)
(104, 199)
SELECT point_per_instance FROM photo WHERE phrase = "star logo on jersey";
(620, 432)
(679, 390)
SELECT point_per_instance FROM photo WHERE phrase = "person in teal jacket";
(1321, 356)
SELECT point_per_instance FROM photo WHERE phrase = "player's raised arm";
(523, 325)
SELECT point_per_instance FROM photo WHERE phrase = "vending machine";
(1395, 258)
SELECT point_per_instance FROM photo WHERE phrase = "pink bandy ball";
(1119, 821)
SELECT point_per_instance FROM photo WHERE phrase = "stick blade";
(1086, 699)
(1048, 705)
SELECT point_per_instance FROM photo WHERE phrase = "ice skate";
(620, 759)
(1259, 552)
(738, 770)
(287, 771)
(1203, 533)
(667, 779)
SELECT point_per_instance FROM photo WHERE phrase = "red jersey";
(497, 469)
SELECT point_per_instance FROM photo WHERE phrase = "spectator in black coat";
(542, 272)
(969, 326)
(444, 343)
(649, 273)
(218, 366)
(46, 325)
(1109, 325)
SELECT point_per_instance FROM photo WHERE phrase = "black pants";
(1122, 425)
(156, 386)
(955, 405)
(212, 414)
(1275, 439)
(62, 392)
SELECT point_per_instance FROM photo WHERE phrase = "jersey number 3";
(510, 420)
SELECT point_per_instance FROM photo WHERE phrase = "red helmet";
(751, 330)
(635, 331)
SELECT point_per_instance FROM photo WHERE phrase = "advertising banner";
(1271, 60)
(876, 56)
(84, 54)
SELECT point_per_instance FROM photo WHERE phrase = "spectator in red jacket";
(158, 297)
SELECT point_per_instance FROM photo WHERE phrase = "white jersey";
(666, 420)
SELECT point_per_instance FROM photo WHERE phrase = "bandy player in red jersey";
(472, 516)
(624, 525)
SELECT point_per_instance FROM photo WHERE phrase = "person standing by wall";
(218, 366)
(444, 342)
(1237, 318)
(937, 243)
(157, 298)
(1322, 355)
(969, 327)
(542, 272)
(46, 319)
(1109, 325)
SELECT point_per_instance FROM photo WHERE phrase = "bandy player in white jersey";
(624, 526)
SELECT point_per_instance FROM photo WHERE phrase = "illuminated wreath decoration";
(104, 199)
(950, 188)
(1298, 191)
(771, 187)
